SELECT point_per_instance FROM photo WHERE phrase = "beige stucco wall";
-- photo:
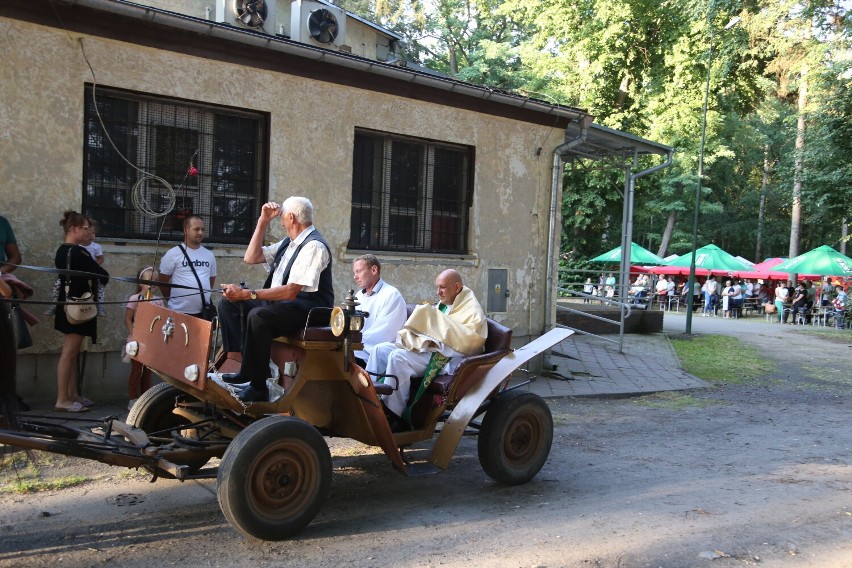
(312, 132)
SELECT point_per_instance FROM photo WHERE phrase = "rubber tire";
(152, 412)
(515, 437)
(274, 478)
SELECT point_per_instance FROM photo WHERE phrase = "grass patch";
(36, 485)
(22, 472)
(829, 334)
(674, 400)
(721, 359)
(135, 474)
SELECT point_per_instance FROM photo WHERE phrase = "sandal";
(87, 402)
(75, 407)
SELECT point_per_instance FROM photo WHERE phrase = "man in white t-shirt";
(175, 269)
(382, 301)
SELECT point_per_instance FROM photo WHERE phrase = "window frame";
(373, 194)
(108, 198)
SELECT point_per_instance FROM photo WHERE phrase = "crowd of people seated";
(730, 296)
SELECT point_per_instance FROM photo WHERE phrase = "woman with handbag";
(76, 319)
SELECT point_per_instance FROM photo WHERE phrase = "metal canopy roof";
(602, 143)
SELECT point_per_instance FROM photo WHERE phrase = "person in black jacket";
(299, 280)
(71, 255)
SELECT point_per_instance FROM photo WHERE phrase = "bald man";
(438, 335)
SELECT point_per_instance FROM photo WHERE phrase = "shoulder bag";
(81, 309)
(208, 310)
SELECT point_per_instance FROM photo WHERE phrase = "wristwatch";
(253, 295)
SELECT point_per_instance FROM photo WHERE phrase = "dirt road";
(736, 475)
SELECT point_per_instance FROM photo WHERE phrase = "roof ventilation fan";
(322, 25)
(252, 13)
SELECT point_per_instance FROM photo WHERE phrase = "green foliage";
(828, 175)
(641, 66)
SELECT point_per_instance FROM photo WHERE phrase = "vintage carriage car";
(276, 467)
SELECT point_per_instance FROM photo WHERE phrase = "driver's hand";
(232, 292)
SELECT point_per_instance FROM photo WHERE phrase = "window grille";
(161, 137)
(409, 194)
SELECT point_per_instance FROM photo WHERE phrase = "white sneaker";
(131, 403)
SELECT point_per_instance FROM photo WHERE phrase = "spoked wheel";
(515, 437)
(153, 413)
(274, 477)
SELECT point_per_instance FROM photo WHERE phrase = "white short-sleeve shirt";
(307, 267)
(173, 265)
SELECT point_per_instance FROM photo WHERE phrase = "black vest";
(324, 296)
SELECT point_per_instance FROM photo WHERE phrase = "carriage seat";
(317, 328)
(322, 333)
(469, 371)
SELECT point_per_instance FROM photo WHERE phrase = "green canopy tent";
(638, 255)
(823, 260)
(709, 259)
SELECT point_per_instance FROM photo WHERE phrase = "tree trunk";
(667, 234)
(796, 216)
(844, 234)
(758, 256)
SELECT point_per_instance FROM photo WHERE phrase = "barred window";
(409, 194)
(162, 137)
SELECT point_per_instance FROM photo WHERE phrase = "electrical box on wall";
(498, 291)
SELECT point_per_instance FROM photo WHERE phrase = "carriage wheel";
(152, 412)
(274, 477)
(515, 437)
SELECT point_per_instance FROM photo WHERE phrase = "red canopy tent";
(681, 271)
(762, 270)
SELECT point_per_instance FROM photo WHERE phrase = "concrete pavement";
(588, 366)
(591, 367)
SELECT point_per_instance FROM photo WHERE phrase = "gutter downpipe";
(552, 288)
(627, 234)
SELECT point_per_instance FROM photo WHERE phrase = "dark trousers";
(252, 325)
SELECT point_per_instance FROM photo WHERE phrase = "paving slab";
(590, 366)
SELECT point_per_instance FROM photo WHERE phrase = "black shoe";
(396, 423)
(252, 394)
(233, 378)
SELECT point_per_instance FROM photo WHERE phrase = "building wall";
(312, 132)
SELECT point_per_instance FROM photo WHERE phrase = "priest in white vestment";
(455, 327)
